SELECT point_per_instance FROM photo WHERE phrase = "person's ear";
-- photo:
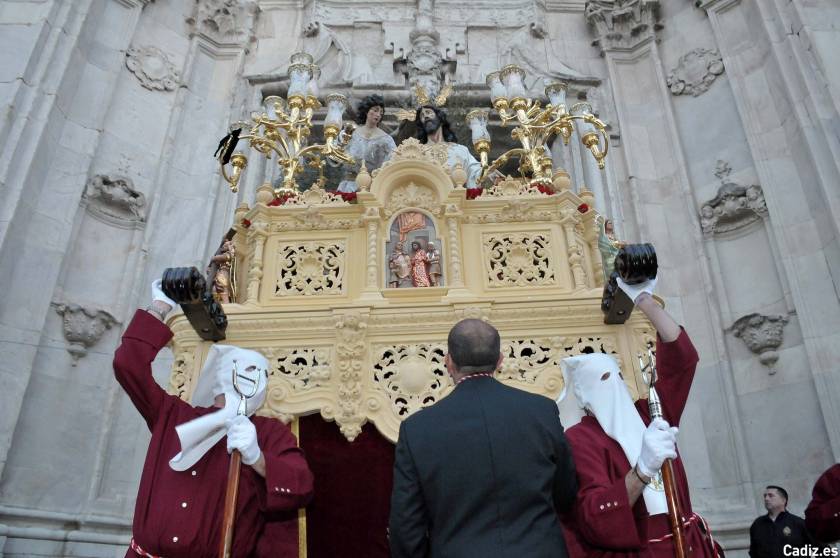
(499, 362)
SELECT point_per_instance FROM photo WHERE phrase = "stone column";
(453, 214)
(258, 236)
(371, 290)
(60, 86)
(786, 106)
(658, 196)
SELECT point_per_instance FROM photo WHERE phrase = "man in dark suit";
(484, 471)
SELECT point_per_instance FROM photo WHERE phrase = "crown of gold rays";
(423, 99)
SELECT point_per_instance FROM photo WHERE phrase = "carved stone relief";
(413, 375)
(518, 259)
(83, 327)
(762, 335)
(734, 207)
(224, 21)
(152, 68)
(695, 72)
(311, 268)
(424, 65)
(114, 200)
(622, 24)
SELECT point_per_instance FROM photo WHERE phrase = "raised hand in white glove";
(157, 295)
(633, 291)
(659, 443)
(242, 436)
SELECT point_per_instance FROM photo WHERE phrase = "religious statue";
(434, 264)
(369, 143)
(399, 268)
(419, 263)
(432, 127)
(608, 245)
(224, 283)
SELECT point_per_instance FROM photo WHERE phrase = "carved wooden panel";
(413, 375)
(310, 268)
(518, 259)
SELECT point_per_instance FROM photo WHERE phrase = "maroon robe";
(822, 516)
(179, 513)
(603, 523)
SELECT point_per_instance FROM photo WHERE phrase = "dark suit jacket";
(482, 473)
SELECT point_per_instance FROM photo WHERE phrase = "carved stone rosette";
(152, 68)
(695, 72)
(83, 327)
(762, 335)
(622, 24)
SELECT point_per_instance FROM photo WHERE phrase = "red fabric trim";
(136, 548)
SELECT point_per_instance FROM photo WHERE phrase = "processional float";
(313, 266)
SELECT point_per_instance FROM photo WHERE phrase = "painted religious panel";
(413, 252)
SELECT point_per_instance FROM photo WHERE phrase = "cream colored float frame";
(365, 353)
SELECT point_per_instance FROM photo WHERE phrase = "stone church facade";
(724, 119)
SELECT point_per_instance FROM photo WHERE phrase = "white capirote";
(197, 436)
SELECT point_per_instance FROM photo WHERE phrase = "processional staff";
(667, 472)
(232, 491)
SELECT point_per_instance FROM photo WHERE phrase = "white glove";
(659, 443)
(633, 291)
(157, 294)
(242, 436)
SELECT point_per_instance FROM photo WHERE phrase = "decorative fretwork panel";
(537, 361)
(518, 259)
(414, 376)
(310, 268)
(302, 368)
(179, 379)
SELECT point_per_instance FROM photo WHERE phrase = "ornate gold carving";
(518, 259)
(179, 379)
(511, 186)
(517, 211)
(351, 350)
(330, 360)
(256, 235)
(412, 195)
(413, 375)
(311, 268)
(316, 196)
(302, 368)
(537, 361)
(412, 150)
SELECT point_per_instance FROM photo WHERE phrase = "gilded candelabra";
(535, 125)
(284, 127)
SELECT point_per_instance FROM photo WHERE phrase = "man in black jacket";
(779, 533)
(484, 471)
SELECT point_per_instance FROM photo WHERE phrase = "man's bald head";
(474, 346)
